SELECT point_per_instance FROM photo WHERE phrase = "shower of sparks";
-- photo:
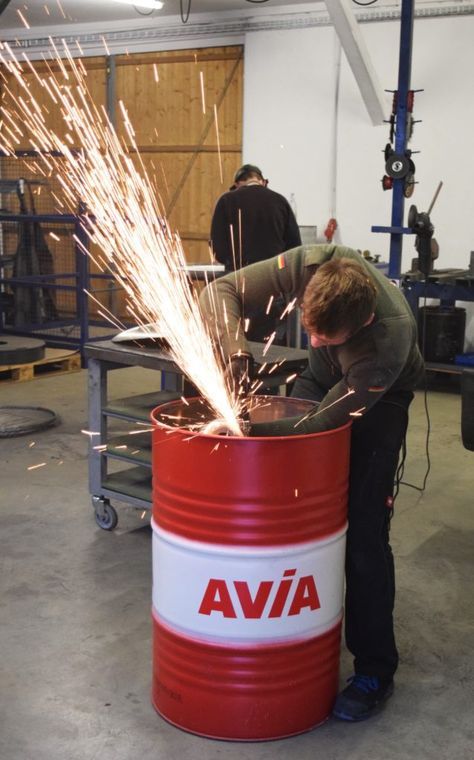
(89, 433)
(269, 305)
(358, 412)
(240, 248)
(124, 216)
(269, 343)
(105, 44)
(272, 369)
(61, 8)
(23, 20)
(36, 466)
(218, 144)
(203, 96)
(315, 414)
(155, 73)
(289, 308)
(55, 237)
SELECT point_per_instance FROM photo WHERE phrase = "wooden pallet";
(56, 361)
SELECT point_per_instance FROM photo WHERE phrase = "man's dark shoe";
(364, 696)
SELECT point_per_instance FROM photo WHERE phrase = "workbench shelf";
(137, 408)
(135, 449)
(134, 483)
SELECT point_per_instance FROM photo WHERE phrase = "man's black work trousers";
(376, 441)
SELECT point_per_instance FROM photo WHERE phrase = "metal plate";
(22, 420)
(19, 349)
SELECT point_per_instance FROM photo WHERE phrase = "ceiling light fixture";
(154, 5)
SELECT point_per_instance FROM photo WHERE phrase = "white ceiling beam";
(358, 58)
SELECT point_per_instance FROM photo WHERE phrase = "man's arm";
(342, 404)
(364, 384)
(224, 301)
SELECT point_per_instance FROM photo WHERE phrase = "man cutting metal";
(363, 365)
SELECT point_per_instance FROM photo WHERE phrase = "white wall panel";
(289, 129)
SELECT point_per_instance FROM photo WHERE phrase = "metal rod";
(435, 198)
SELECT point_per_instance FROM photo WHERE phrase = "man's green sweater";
(347, 379)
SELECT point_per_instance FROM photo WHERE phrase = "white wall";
(289, 87)
(287, 128)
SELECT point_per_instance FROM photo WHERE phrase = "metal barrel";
(248, 573)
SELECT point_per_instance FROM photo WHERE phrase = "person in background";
(251, 223)
(364, 364)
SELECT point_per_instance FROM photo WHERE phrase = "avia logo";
(303, 594)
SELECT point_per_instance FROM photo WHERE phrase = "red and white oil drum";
(248, 569)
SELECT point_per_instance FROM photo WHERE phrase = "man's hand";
(241, 369)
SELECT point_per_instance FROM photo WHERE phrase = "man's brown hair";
(339, 297)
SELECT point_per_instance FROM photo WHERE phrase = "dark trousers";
(376, 441)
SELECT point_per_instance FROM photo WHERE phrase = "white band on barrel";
(250, 595)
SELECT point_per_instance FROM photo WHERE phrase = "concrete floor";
(75, 606)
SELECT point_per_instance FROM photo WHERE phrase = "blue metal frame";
(396, 229)
(81, 278)
(80, 284)
(446, 293)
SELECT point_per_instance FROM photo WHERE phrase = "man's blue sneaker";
(364, 696)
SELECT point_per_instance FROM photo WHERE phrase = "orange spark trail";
(124, 218)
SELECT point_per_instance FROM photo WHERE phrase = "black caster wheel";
(105, 515)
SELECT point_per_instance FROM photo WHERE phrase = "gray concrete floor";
(75, 606)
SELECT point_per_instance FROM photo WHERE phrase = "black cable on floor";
(401, 466)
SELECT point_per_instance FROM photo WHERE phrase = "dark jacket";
(380, 358)
(250, 224)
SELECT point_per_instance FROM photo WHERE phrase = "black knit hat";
(245, 171)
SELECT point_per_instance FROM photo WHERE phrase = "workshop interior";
(130, 485)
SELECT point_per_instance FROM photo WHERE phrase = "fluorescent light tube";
(155, 5)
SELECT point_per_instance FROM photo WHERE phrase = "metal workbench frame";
(102, 358)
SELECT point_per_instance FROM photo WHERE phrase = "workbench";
(448, 286)
(132, 483)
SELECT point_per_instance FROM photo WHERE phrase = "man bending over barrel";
(364, 364)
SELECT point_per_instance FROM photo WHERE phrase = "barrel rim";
(213, 436)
